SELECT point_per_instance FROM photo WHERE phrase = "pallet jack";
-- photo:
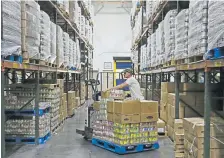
(87, 133)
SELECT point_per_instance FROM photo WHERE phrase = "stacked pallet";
(83, 92)
(60, 48)
(63, 99)
(53, 41)
(71, 103)
(194, 138)
(11, 26)
(30, 29)
(178, 138)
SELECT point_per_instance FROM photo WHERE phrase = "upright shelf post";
(37, 99)
(177, 91)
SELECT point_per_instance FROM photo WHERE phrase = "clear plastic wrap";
(74, 54)
(197, 28)
(32, 10)
(215, 24)
(53, 43)
(160, 45)
(148, 53)
(45, 33)
(66, 49)
(60, 47)
(11, 20)
(169, 34)
(71, 52)
(181, 35)
(153, 50)
(149, 9)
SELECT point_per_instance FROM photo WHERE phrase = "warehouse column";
(146, 86)
(207, 98)
(177, 91)
(153, 85)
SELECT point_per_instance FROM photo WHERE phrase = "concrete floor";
(67, 144)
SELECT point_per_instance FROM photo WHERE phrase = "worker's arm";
(119, 86)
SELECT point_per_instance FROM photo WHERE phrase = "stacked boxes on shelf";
(63, 100)
(60, 47)
(30, 29)
(66, 48)
(215, 24)
(53, 41)
(51, 93)
(45, 32)
(194, 138)
(71, 103)
(11, 26)
(169, 35)
(197, 28)
(181, 35)
(178, 138)
(83, 92)
(24, 127)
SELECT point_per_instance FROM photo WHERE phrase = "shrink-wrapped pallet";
(153, 50)
(169, 34)
(45, 32)
(30, 29)
(53, 43)
(71, 53)
(11, 26)
(66, 49)
(215, 24)
(78, 55)
(148, 54)
(181, 35)
(160, 45)
(149, 9)
(197, 28)
(60, 47)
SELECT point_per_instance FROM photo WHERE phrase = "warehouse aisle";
(68, 144)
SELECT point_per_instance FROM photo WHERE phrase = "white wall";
(112, 36)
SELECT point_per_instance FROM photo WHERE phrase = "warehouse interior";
(61, 61)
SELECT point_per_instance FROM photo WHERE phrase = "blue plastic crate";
(16, 58)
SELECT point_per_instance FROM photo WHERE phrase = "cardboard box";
(170, 132)
(119, 118)
(71, 97)
(167, 87)
(161, 126)
(164, 97)
(110, 106)
(65, 96)
(127, 107)
(179, 139)
(150, 117)
(149, 106)
(179, 148)
(70, 111)
(60, 82)
(179, 155)
(193, 87)
(105, 95)
(199, 142)
(110, 117)
(96, 105)
(178, 126)
(77, 100)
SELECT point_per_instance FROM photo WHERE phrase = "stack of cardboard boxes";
(83, 92)
(71, 103)
(129, 122)
(60, 82)
(194, 139)
(178, 138)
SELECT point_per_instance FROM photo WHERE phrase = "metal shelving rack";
(40, 73)
(188, 72)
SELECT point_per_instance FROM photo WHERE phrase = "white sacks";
(71, 53)
(197, 28)
(53, 43)
(148, 52)
(153, 50)
(32, 27)
(169, 34)
(215, 24)
(181, 35)
(45, 32)
(60, 48)
(149, 9)
(160, 44)
(66, 48)
(11, 20)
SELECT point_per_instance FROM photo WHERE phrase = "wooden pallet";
(36, 62)
(163, 134)
(195, 58)
(181, 61)
(169, 63)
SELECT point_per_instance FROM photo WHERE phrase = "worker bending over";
(132, 83)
